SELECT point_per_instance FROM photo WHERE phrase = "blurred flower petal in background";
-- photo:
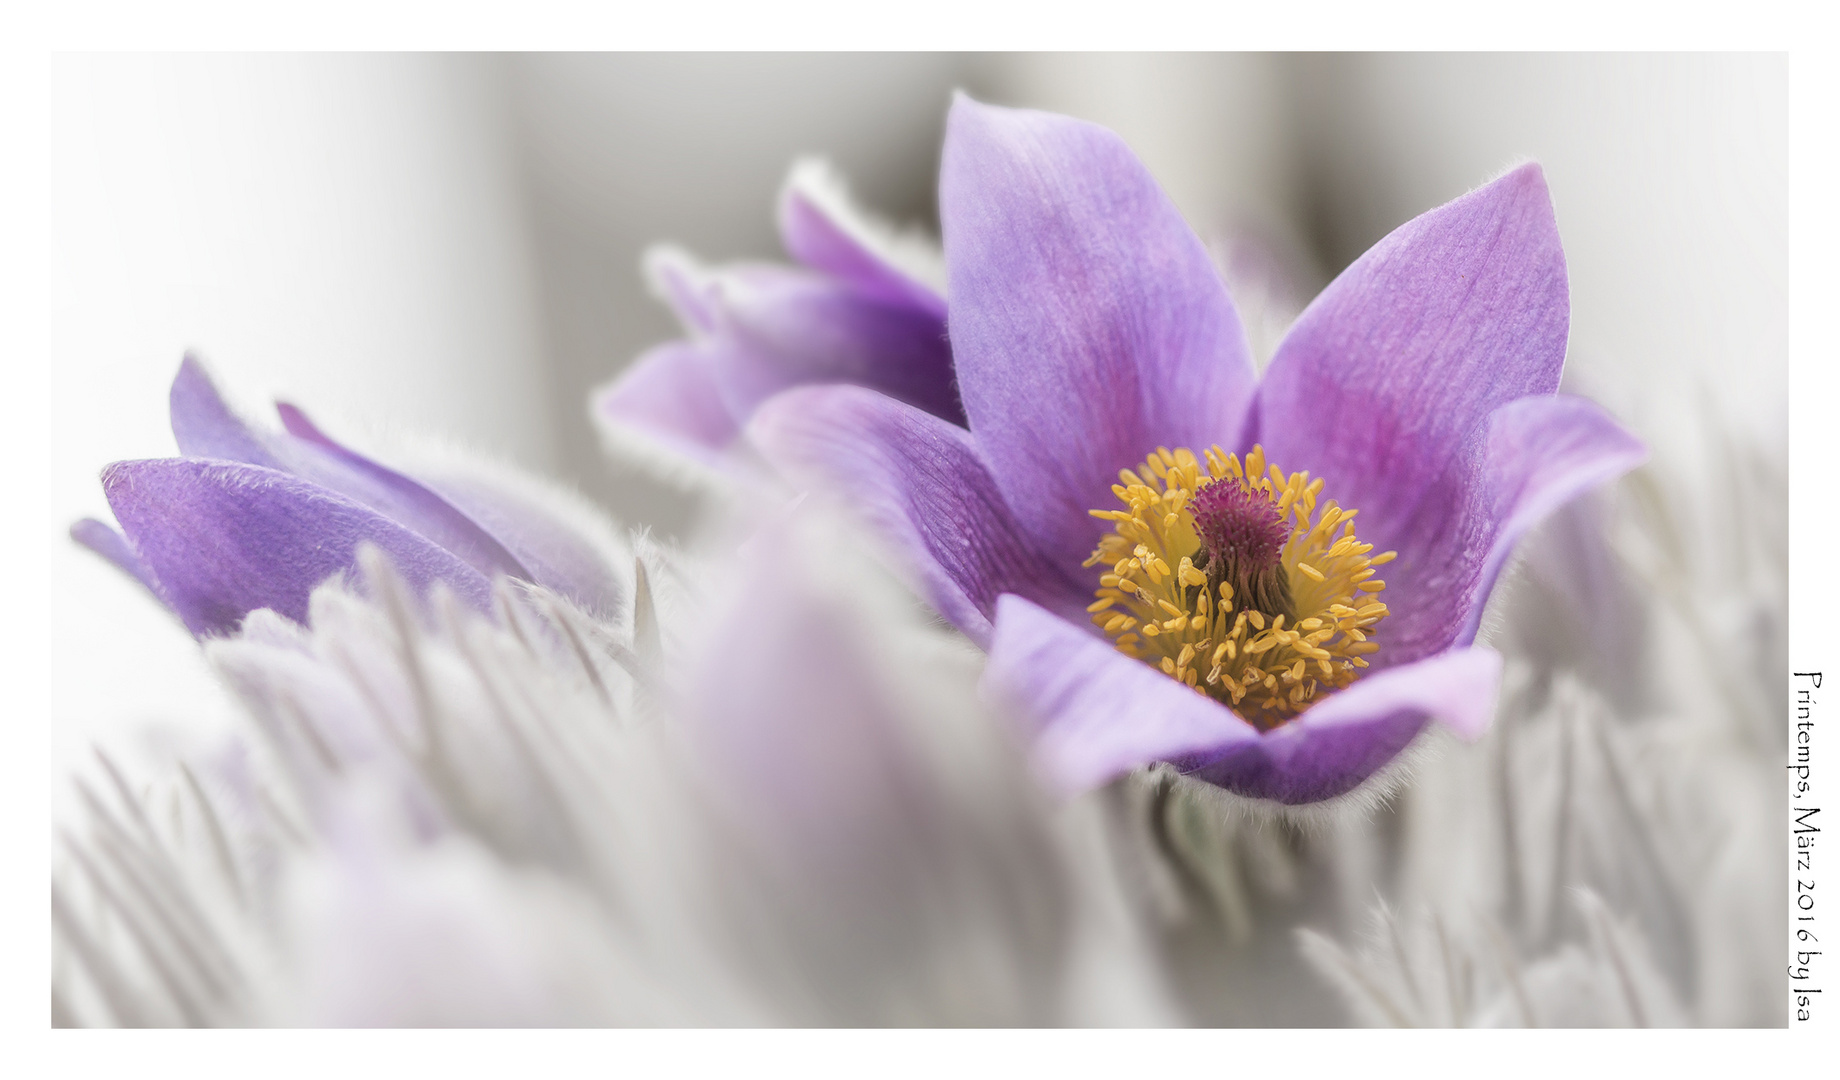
(868, 309)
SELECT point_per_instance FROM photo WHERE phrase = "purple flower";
(249, 519)
(865, 308)
(1216, 605)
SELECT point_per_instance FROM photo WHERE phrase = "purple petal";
(225, 538)
(788, 328)
(1534, 455)
(763, 329)
(1088, 324)
(1099, 713)
(111, 545)
(923, 488)
(821, 229)
(1345, 738)
(206, 427)
(558, 555)
(684, 285)
(670, 395)
(318, 458)
(1387, 376)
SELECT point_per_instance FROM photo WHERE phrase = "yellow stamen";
(1163, 599)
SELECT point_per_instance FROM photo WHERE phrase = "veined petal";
(205, 427)
(408, 502)
(1098, 713)
(1088, 324)
(822, 227)
(224, 538)
(764, 328)
(785, 328)
(1387, 376)
(1345, 738)
(1534, 455)
(923, 487)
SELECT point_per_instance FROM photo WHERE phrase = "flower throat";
(1226, 578)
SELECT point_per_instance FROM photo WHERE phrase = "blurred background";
(450, 245)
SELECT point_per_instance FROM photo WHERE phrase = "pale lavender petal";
(206, 427)
(1532, 456)
(684, 284)
(557, 554)
(1098, 713)
(783, 328)
(317, 457)
(111, 545)
(1088, 324)
(920, 484)
(670, 394)
(1390, 373)
(225, 538)
(1345, 738)
(823, 230)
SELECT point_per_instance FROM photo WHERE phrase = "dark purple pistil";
(1242, 541)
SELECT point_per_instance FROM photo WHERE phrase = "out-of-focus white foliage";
(772, 796)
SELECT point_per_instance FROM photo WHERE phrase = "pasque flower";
(248, 519)
(1160, 550)
(866, 306)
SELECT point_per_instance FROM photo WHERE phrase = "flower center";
(1226, 578)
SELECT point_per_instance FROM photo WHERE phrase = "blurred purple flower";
(249, 519)
(866, 307)
(1090, 333)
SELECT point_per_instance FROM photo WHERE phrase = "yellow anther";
(1383, 558)
(1150, 557)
